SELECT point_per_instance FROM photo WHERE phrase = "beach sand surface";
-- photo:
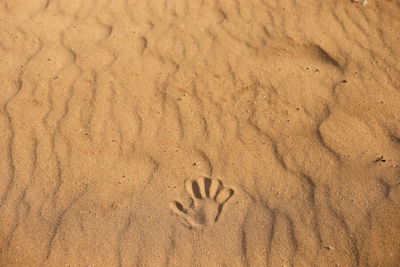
(199, 133)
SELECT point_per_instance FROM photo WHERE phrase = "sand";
(199, 133)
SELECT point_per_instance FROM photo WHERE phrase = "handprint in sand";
(208, 197)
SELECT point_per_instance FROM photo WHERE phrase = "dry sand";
(114, 112)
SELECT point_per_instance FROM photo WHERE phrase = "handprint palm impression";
(208, 197)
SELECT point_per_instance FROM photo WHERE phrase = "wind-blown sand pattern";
(109, 108)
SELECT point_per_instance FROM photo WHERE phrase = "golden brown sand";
(114, 112)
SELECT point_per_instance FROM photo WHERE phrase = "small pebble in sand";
(364, 2)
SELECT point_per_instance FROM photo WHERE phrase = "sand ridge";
(108, 109)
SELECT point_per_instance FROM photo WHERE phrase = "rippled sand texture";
(111, 110)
